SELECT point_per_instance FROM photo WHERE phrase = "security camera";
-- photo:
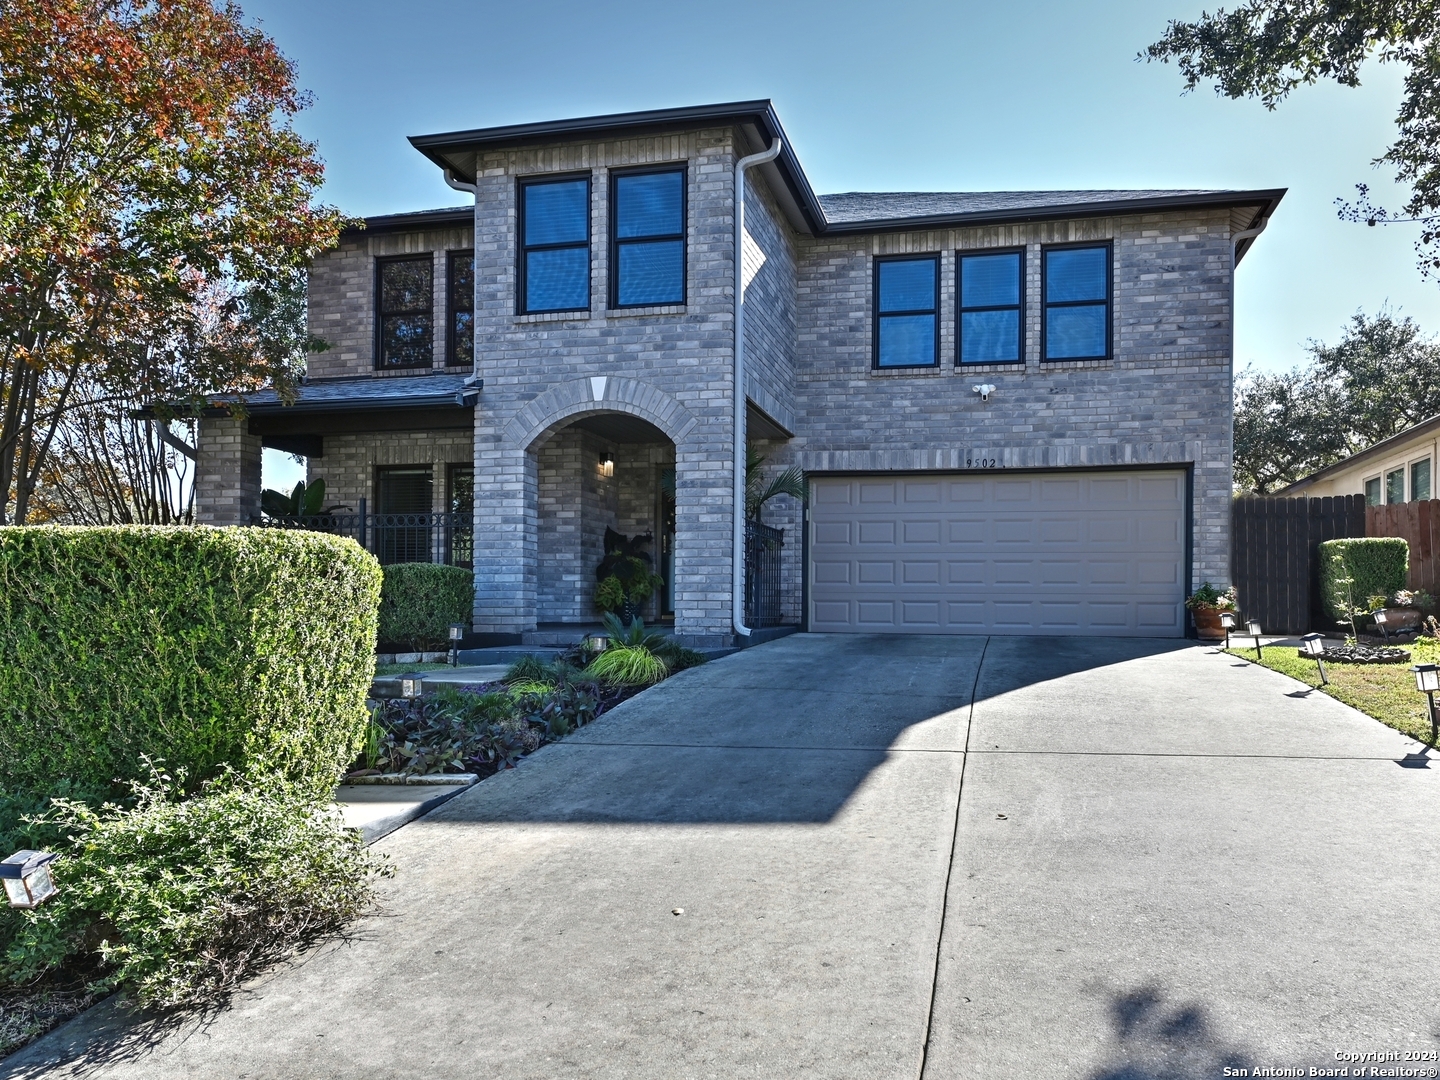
(984, 390)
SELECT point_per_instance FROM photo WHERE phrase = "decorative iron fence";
(763, 546)
(394, 538)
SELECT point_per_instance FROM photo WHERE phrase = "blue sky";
(904, 95)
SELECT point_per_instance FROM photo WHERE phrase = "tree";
(156, 215)
(1383, 377)
(1267, 48)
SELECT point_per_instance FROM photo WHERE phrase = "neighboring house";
(1014, 408)
(1394, 470)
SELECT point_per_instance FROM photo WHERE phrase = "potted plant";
(1405, 609)
(624, 577)
(1205, 604)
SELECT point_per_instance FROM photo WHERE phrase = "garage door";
(1005, 553)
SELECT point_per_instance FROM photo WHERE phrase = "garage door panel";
(879, 567)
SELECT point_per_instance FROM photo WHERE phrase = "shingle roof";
(856, 206)
(368, 392)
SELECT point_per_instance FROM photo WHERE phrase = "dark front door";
(667, 541)
(460, 529)
(405, 495)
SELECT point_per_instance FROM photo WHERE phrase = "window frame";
(451, 311)
(1378, 480)
(1400, 470)
(1429, 479)
(876, 315)
(382, 261)
(1045, 304)
(612, 289)
(960, 256)
(522, 250)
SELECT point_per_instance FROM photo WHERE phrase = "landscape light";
(457, 635)
(1314, 645)
(1382, 617)
(27, 878)
(597, 643)
(1427, 681)
(1253, 628)
(1227, 620)
(411, 686)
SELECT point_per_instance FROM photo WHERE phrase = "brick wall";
(227, 473)
(349, 462)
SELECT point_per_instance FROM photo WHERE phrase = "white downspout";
(737, 598)
(473, 189)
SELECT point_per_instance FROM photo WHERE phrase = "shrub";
(419, 602)
(194, 646)
(628, 665)
(1373, 565)
(181, 901)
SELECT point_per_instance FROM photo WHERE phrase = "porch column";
(506, 528)
(704, 495)
(227, 472)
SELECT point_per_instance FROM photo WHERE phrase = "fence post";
(362, 524)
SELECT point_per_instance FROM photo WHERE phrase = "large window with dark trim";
(647, 238)
(554, 245)
(1076, 283)
(906, 324)
(406, 312)
(460, 284)
(991, 307)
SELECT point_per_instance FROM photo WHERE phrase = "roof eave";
(1378, 450)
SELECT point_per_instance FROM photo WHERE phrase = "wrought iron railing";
(763, 547)
(393, 538)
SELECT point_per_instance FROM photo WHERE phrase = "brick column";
(227, 473)
(704, 495)
(506, 529)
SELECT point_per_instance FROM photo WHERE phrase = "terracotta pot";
(1402, 618)
(1207, 623)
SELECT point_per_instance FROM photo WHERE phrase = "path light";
(1382, 617)
(1227, 620)
(411, 686)
(1427, 681)
(27, 878)
(1314, 645)
(1253, 629)
(596, 643)
(457, 635)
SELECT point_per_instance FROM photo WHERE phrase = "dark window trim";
(613, 255)
(1045, 305)
(522, 299)
(876, 315)
(450, 308)
(960, 256)
(379, 346)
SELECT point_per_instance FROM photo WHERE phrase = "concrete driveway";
(894, 857)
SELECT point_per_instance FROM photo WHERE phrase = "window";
(555, 245)
(1420, 480)
(407, 331)
(460, 536)
(401, 529)
(460, 280)
(1372, 491)
(906, 334)
(647, 247)
(991, 288)
(1076, 282)
(1395, 486)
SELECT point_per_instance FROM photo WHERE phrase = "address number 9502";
(981, 463)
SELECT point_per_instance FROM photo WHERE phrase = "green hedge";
(197, 647)
(421, 600)
(1376, 564)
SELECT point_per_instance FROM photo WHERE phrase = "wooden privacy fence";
(1419, 524)
(1274, 556)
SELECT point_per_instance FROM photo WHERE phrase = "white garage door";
(1005, 553)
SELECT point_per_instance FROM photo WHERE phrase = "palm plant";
(307, 500)
(789, 481)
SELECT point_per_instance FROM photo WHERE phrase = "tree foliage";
(1381, 378)
(1265, 49)
(156, 214)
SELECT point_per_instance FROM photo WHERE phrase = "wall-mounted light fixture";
(984, 390)
(607, 464)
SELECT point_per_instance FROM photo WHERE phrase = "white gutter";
(737, 598)
(474, 381)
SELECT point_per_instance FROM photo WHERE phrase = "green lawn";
(1385, 691)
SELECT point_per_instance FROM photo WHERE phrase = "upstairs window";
(554, 245)
(406, 312)
(906, 334)
(647, 249)
(460, 349)
(1077, 302)
(992, 290)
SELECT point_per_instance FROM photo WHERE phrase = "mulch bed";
(1365, 654)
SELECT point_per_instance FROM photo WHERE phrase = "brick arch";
(602, 393)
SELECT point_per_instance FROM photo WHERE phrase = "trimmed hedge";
(419, 602)
(1377, 564)
(197, 647)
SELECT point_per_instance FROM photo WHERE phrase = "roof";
(852, 212)
(1382, 449)
(352, 394)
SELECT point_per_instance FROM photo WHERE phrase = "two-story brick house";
(1013, 408)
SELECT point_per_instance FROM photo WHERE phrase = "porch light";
(1314, 645)
(1427, 681)
(457, 635)
(1382, 619)
(27, 878)
(1253, 629)
(1227, 620)
(411, 686)
(607, 464)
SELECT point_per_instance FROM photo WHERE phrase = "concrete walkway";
(1153, 861)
